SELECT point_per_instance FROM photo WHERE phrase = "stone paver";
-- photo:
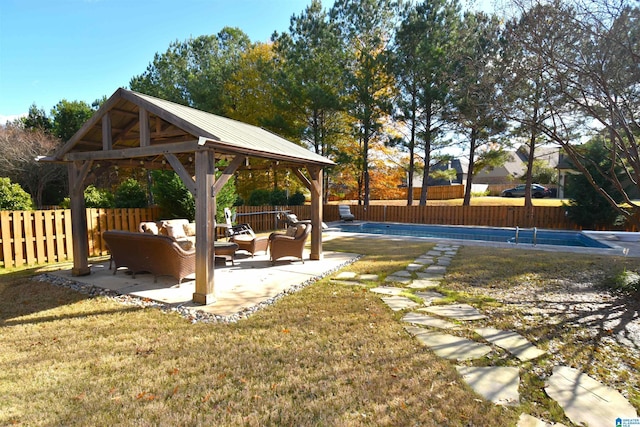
(456, 311)
(586, 400)
(401, 273)
(436, 269)
(424, 260)
(388, 290)
(398, 279)
(426, 320)
(398, 303)
(346, 275)
(429, 296)
(449, 346)
(424, 284)
(496, 384)
(434, 253)
(414, 266)
(444, 261)
(428, 275)
(513, 342)
(368, 277)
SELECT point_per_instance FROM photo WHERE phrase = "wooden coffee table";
(226, 250)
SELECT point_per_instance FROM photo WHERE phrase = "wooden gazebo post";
(77, 173)
(314, 184)
(206, 226)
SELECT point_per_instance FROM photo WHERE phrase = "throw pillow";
(151, 228)
(291, 231)
(190, 229)
(174, 231)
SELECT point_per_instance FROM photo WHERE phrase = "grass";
(327, 355)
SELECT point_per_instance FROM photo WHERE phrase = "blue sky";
(85, 49)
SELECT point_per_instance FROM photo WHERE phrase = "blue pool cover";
(491, 234)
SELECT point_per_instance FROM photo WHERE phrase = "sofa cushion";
(291, 231)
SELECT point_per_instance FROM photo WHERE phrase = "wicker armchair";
(155, 254)
(290, 244)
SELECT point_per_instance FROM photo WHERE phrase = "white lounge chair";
(345, 213)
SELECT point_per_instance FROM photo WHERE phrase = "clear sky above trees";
(86, 49)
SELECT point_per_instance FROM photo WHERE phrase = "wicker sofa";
(290, 244)
(146, 252)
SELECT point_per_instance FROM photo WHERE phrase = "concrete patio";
(248, 283)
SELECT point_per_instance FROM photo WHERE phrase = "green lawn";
(327, 355)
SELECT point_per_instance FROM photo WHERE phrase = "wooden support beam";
(127, 153)
(205, 227)
(77, 173)
(228, 173)
(184, 175)
(145, 132)
(315, 186)
(305, 181)
(107, 138)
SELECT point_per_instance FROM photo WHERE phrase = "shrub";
(98, 197)
(297, 199)
(13, 197)
(171, 195)
(278, 197)
(175, 201)
(587, 207)
(130, 194)
(626, 281)
(259, 197)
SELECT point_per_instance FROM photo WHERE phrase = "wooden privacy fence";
(441, 192)
(41, 237)
(495, 216)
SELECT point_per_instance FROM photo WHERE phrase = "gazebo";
(133, 130)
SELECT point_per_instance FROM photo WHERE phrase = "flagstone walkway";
(445, 329)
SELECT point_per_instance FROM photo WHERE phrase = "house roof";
(172, 128)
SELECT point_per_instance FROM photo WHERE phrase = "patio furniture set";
(168, 247)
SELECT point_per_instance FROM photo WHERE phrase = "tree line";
(384, 87)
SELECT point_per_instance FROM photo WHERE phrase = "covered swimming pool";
(524, 236)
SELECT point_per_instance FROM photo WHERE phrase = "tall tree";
(194, 72)
(425, 39)
(524, 99)
(474, 91)
(592, 59)
(36, 119)
(19, 147)
(366, 28)
(69, 116)
(308, 57)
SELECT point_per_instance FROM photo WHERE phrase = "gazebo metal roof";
(171, 123)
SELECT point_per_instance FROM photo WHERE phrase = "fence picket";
(5, 238)
(18, 238)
